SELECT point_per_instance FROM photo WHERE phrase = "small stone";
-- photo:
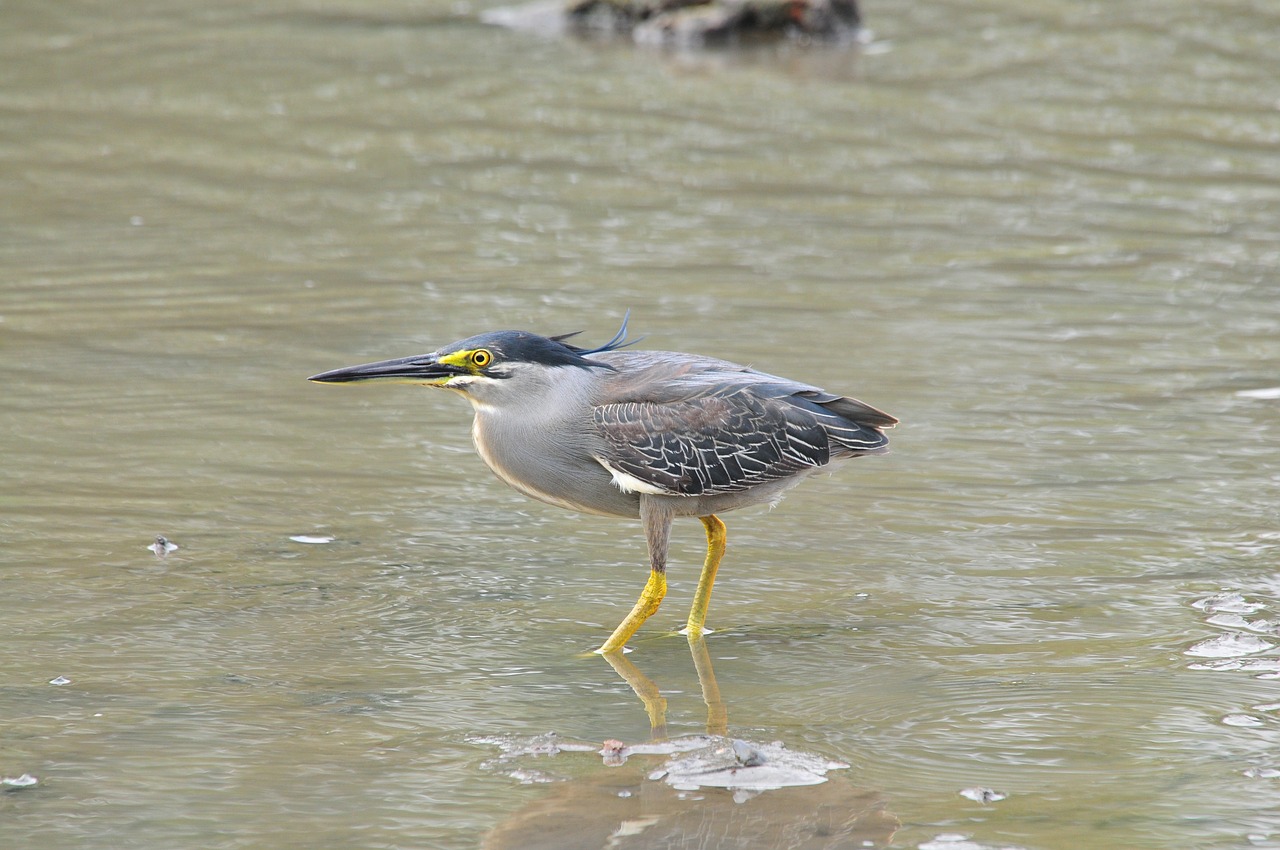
(163, 547)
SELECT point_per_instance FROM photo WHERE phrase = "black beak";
(422, 369)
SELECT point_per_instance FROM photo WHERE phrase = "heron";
(639, 434)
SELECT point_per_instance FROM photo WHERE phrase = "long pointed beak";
(421, 369)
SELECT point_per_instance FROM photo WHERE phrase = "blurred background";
(1045, 236)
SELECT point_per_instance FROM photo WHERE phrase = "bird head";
(485, 367)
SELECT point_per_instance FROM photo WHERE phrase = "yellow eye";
(481, 358)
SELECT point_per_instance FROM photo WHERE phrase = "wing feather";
(685, 425)
(710, 445)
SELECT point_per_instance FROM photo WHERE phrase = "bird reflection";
(656, 705)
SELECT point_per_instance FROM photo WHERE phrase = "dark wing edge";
(854, 426)
(851, 409)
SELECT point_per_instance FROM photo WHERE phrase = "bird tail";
(860, 412)
(853, 427)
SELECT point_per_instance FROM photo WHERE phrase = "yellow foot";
(650, 599)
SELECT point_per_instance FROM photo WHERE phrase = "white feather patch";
(629, 483)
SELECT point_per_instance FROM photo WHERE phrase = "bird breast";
(549, 460)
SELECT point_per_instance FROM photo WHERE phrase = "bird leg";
(650, 598)
(657, 528)
(716, 537)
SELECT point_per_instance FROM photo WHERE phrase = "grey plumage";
(648, 434)
(696, 426)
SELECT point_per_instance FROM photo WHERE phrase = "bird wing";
(710, 444)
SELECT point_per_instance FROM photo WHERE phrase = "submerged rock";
(690, 23)
(983, 795)
(163, 547)
(710, 791)
(696, 761)
(743, 766)
(729, 21)
(619, 810)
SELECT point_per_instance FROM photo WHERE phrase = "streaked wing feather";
(712, 444)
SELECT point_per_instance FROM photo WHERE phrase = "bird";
(639, 434)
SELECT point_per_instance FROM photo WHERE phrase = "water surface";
(1046, 238)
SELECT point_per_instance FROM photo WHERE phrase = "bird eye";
(481, 358)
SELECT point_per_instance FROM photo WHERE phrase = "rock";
(686, 23)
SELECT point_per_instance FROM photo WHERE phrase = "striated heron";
(652, 435)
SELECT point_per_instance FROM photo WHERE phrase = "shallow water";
(1046, 238)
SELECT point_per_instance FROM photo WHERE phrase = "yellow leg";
(716, 536)
(650, 599)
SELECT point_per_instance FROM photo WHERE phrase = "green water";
(1043, 236)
